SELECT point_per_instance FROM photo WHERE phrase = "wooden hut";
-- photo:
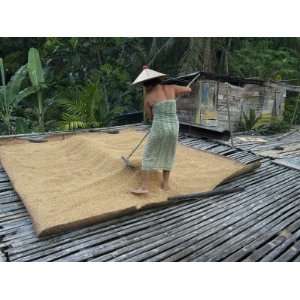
(215, 99)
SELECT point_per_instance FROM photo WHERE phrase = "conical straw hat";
(148, 74)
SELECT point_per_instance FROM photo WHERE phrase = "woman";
(160, 107)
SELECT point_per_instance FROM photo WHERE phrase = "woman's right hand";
(179, 90)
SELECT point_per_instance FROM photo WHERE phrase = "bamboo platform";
(261, 223)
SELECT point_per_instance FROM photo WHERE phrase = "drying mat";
(82, 179)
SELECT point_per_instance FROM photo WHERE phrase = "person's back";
(156, 92)
(160, 93)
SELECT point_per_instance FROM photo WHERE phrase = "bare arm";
(148, 110)
(179, 90)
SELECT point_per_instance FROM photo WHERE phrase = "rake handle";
(140, 142)
(193, 80)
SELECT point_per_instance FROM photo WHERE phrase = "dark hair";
(150, 84)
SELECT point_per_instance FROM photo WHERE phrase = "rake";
(126, 159)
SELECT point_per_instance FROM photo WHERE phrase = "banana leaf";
(25, 93)
(3, 87)
(15, 83)
(2, 72)
(35, 70)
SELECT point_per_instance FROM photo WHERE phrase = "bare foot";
(140, 191)
(165, 186)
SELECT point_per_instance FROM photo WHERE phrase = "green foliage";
(36, 75)
(14, 51)
(292, 110)
(11, 94)
(275, 126)
(85, 108)
(260, 59)
(2, 73)
(22, 125)
(35, 70)
(72, 65)
(248, 122)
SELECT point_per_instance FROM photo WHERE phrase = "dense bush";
(275, 126)
(292, 110)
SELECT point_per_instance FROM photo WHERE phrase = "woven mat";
(80, 180)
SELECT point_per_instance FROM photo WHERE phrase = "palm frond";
(85, 108)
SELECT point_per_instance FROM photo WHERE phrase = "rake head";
(127, 162)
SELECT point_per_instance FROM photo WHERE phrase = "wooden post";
(295, 111)
(275, 103)
(146, 121)
(228, 113)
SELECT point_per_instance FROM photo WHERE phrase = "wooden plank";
(275, 254)
(3, 180)
(215, 234)
(291, 253)
(259, 179)
(297, 259)
(170, 246)
(240, 241)
(4, 186)
(5, 208)
(259, 248)
(211, 243)
(12, 214)
(14, 229)
(169, 234)
(2, 257)
(204, 223)
(7, 200)
(219, 148)
(293, 163)
(19, 238)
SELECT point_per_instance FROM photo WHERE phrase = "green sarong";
(159, 152)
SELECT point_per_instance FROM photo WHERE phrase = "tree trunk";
(207, 55)
(104, 88)
(40, 111)
(226, 58)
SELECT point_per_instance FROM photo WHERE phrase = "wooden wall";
(207, 104)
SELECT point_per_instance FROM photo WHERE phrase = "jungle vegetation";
(68, 83)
